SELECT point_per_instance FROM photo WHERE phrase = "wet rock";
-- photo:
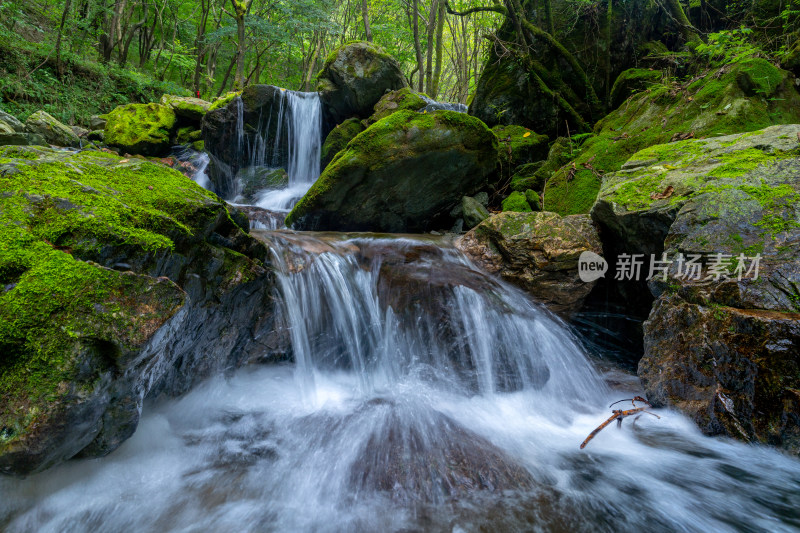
(261, 108)
(255, 179)
(716, 336)
(538, 252)
(53, 131)
(429, 457)
(354, 78)
(400, 175)
(143, 129)
(143, 298)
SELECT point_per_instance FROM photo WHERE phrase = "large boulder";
(719, 342)
(187, 107)
(242, 130)
(405, 99)
(144, 129)
(22, 139)
(745, 96)
(119, 279)
(538, 252)
(337, 139)
(401, 175)
(53, 131)
(10, 123)
(354, 78)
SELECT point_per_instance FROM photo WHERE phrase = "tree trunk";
(674, 9)
(437, 74)
(59, 65)
(430, 44)
(365, 14)
(418, 47)
(240, 8)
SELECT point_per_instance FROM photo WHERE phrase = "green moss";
(199, 146)
(338, 138)
(404, 99)
(57, 310)
(632, 81)
(742, 97)
(141, 128)
(516, 201)
(224, 100)
(519, 145)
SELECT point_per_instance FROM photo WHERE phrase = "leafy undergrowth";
(29, 82)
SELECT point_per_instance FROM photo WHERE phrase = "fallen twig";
(619, 414)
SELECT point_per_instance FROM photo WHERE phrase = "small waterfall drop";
(431, 398)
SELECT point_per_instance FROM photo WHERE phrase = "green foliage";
(728, 46)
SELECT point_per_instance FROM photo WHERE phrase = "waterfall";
(293, 141)
(424, 396)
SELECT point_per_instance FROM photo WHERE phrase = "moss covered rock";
(354, 78)
(53, 131)
(516, 202)
(144, 129)
(519, 145)
(533, 176)
(745, 96)
(402, 174)
(192, 109)
(405, 99)
(538, 252)
(716, 342)
(118, 279)
(224, 100)
(473, 212)
(22, 139)
(338, 138)
(632, 81)
(10, 122)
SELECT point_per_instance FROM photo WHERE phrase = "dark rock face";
(145, 297)
(719, 345)
(260, 109)
(354, 78)
(736, 372)
(539, 252)
(400, 175)
(338, 138)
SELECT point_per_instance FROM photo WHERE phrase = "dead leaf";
(527, 134)
(571, 172)
(662, 195)
(124, 160)
(682, 137)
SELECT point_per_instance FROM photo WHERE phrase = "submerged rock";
(53, 131)
(144, 129)
(538, 252)
(715, 345)
(400, 175)
(118, 279)
(354, 78)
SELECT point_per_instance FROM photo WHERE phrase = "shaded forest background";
(76, 58)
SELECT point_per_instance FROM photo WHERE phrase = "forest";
(399, 265)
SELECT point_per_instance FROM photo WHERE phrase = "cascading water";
(425, 396)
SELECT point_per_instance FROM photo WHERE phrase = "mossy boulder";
(118, 279)
(519, 145)
(632, 81)
(224, 100)
(404, 173)
(538, 252)
(53, 131)
(189, 108)
(11, 123)
(338, 138)
(405, 99)
(716, 342)
(22, 139)
(144, 129)
(6, 129)
(744, 96)
(473, 212)
(533, 176)
(354, 78)
(188, 135)
(516, 202)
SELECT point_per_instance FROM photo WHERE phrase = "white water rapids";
(425, 396)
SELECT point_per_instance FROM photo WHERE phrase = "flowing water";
(423, 395)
